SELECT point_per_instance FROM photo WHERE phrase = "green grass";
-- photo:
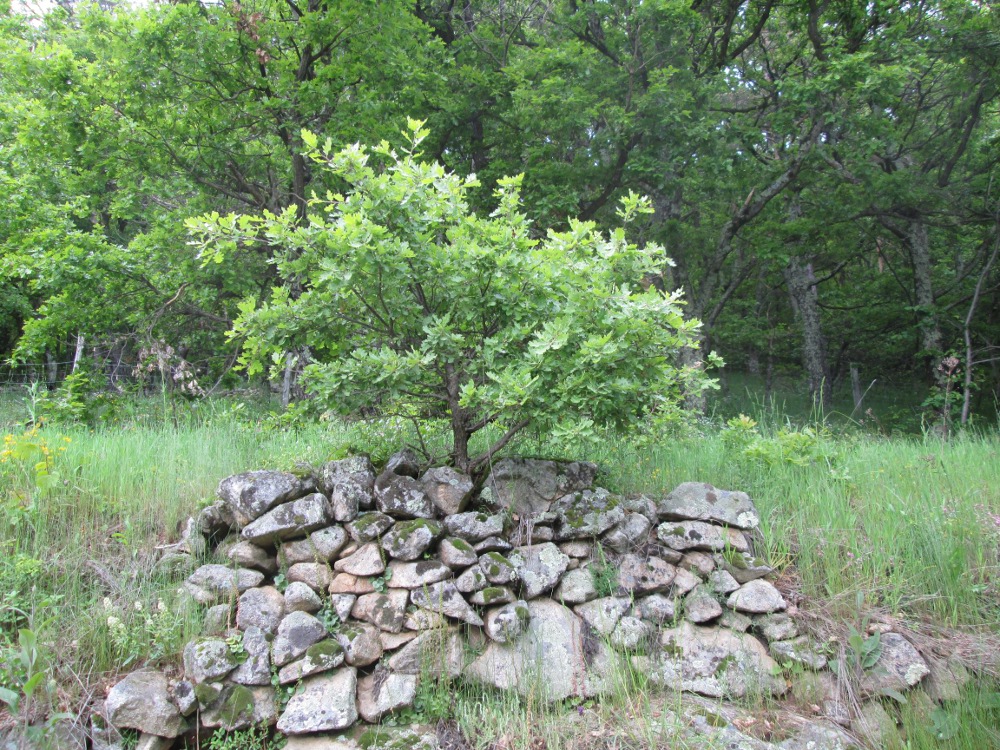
(911, 523)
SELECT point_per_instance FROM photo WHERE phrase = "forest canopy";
(821, 173)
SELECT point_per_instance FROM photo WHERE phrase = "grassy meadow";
(863, 527)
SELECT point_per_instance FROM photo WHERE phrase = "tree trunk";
(286, 381)
(805, 303)
(51, 370)
(918, 239)
(79, 351)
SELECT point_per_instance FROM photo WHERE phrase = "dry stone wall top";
(354, 585)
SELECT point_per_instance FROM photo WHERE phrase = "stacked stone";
(351, 585)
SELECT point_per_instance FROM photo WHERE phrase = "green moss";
(238, 703)
(713, 719)
(324, 652)
(724, 665)
(461, 545)
(522, 613)
(206, 693)
(493, 594)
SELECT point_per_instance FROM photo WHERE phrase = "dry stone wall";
(353, 585)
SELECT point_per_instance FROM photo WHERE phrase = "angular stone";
(216, 520)
(256, 668)
(743, 566)
(656, 608)
(603, 614)
(801, 650)
(577, 549)
(320, 657)
(367, 561)
(402, 497)
(184, 697)
(539, 567)
(218, 619)
(413, 575)
(576, 587)
(290, 520)
(321, 546)
(697, 535)
(632, 634)
(247, 555)
(434, 653)
(342, 604)
(383, 692)
(505, 624)
(443, 597)
(528, 486)
(684, 581)
(714, 662)
(699, 563)
(424, 619)
(775, 627)
(350, 485)
(208, 659)
(141, 701)
(587, 514)
(408, 540)
(552, 660)
(326, 702)
(393, 641)
(360, 642)
(345, 583)
(696, 501)
(457, 553)
(493, 544)
(472, 580)
(384, 611)
(899, 667)
(700, 606)
(448, 489)
(254, 493)
(213, 583)
(316, 576)
(404, 463)
(722, 582)
(301, 598)
(233, 710)
(369, 526)
(497, 568)
(629, 534)
(641, 575)
(734, 621)
(492, 595)
(757, 597)
(474, 526)
(296, 633)
(946, 679)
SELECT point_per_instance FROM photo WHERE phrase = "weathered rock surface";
(350, 485)
(301, 598)
(553, 659)
(527, 486)
(256, 668)
(457, 553)
(603, 614)
(385, 611)
(408, 540)
(320, 657)
(368, 526)
(383, 692)
(413, 575)
(443, 597)
(208, 659)
(435, 652)
(290, 520)
(539, 567)
(296, 633)
(360, 642)
(587, 514)
(402, 497)
(327, 702)
(321, 546)
(899, 667)
(252, 494)
(801, 650)
(368, 560)
(576, 587)
(474, 527)
(756, 597)
(696, 501)
(210, 584)
(142, 701)
(641, 575)
(448, 489)
(700, 606)
(248, 555)
(629, 534)
(698, 535)
(505, 624)
(316, 576)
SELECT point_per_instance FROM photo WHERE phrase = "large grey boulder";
(385, 611)
(448, 489)
(296, 633)
(252, 494)
(320, 657)
(444, 598)
(319, 547)
(325, 703)
(587, 514)
(248, 555)
(290, 520)
(210, 584)
(350, 485)
(402, 497)
(639, 576)
(316, 576)
(408, 540)
(262, 607)
(527, 486)
(698, 535)
(701, 606)
(436, 652)
(208, 659)
(256, 668)
(629, 534)
(368, 560)
(576, 587)
(697, 501)
(539, 567)
(505, 624)
(474, 526)
(757, 597)
(413, 575)
(383, 692)
(554, 658)
(715, 662)
(603, 614)
(899, 667)
(142, 701)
